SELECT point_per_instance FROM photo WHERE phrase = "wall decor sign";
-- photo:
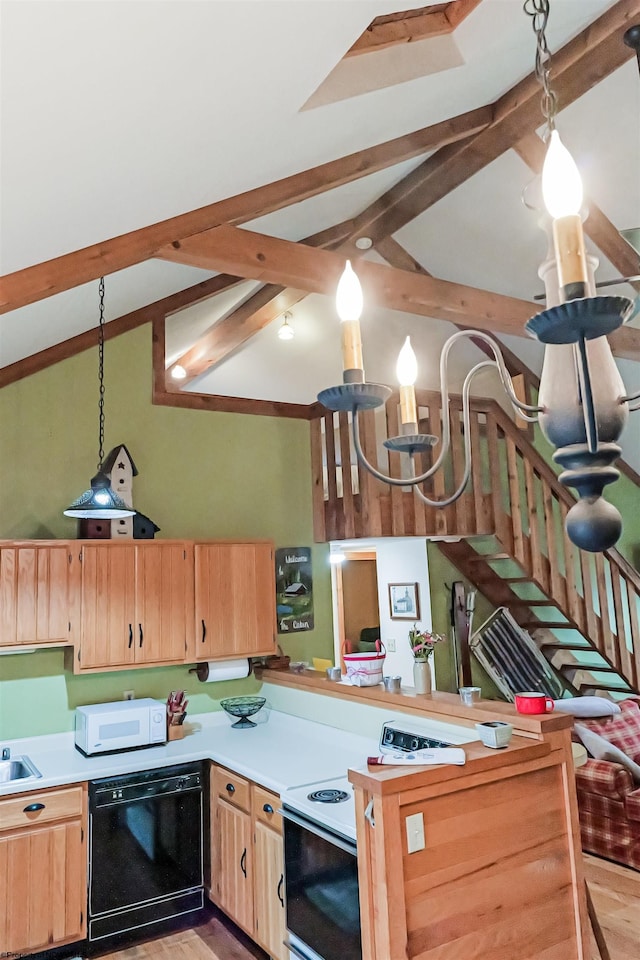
(294, 589)
(404, 601)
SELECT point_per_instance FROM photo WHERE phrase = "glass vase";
(422, 676)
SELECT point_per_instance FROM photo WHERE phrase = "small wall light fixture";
(286, 331)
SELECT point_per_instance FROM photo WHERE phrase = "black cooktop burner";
(328, 796)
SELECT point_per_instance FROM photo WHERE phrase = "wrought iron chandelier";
(100, 501)
(582, 407)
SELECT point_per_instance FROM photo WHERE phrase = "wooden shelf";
(445, 705)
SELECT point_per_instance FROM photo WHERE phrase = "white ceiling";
(115, 115)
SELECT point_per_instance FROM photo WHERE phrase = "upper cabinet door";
(35, 594)
(234, 599)
(164, 602)
(108, 605)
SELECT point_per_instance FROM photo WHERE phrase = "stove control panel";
(396, 737)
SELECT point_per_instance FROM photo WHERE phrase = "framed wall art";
(404, 601)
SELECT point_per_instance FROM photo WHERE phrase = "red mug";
(533, 703)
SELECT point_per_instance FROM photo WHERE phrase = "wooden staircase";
(582, 609)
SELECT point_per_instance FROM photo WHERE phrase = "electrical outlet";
(390, 645)
(129, 695)
(415, 832)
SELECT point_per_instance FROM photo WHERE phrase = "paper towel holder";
(202, 669)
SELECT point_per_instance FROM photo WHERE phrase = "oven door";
(321, 877)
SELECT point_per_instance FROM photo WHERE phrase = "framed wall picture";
(294, 589)
(404, 601)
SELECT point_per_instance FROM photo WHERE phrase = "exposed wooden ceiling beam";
(272, 260)
(581, 64)
(114, 328)
(515, 108)
(73, 269)
(227, 334)
(259, 310)
(598, 227)
(396, 256)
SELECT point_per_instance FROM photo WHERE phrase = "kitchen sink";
(18, 768)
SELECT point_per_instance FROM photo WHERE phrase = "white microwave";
(123, 725)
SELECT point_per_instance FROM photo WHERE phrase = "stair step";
(567, 646)
(549, 625)
(483, 557)
(539, 603)
(515, 579)
(606, 686)
(588, 667)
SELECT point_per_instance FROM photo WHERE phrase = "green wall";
(442, 574)
(201, 474)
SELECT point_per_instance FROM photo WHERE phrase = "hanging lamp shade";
(99, 502)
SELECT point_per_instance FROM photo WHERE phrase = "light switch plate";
(415, 832)
(390, 645)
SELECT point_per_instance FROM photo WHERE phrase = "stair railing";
(599, 593)
(513, 494)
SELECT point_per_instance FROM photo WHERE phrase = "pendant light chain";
(101, 376)
(538, 10)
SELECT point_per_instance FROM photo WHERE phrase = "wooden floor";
(615, 892)
(217, 939)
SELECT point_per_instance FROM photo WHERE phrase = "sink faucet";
(6, 753)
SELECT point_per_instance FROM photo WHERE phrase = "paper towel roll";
(215, 670)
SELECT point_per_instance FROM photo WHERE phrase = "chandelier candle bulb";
(349, 305)
(562, 192)
(407, 372)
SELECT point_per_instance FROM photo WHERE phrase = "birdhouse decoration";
(120, 468)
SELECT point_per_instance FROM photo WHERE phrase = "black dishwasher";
(145, 848)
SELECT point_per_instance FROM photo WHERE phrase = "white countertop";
(281, 751)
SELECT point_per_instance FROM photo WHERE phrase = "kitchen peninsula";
(498, 872)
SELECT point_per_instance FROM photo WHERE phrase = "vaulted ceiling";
(181, 147)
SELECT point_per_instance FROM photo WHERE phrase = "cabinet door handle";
(141, 633)
(268, 808)
(243, 862)
(230, 788)
(130, 636)
(204, 630)
(33, 808)
(280, 890)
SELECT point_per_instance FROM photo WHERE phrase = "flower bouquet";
(423, 642)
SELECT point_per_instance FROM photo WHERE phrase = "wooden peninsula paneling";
(500, 874)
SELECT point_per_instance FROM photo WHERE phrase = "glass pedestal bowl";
(242, 707)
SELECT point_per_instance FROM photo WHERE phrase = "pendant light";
(100, 501)
(582, 414)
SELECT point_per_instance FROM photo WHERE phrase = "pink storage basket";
(365, 669)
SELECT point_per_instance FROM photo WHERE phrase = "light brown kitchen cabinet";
(43, 866)
(235, 600)
(268, 869)
(36, 593)
(247, 869)
(136, 604)
(232, 847)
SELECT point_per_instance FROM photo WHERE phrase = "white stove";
(320, 850)
(327, 802)
(330, 803)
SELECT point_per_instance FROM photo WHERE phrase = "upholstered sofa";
(608, 797)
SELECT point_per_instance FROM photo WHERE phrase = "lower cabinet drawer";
(265, 808)
(233, 788)
(45, 806)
